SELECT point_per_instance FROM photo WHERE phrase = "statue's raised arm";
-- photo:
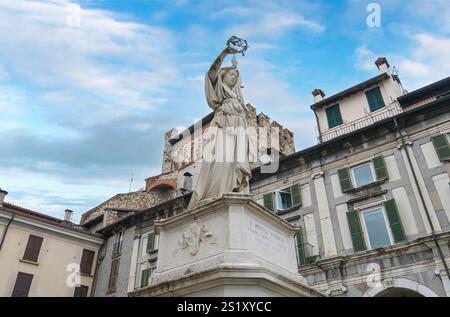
(214, 69)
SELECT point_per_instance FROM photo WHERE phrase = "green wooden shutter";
(442, 147)
(300, 247)
(333, 116)
(268, 201)
(394, 221)
(380, 168)
(375, 99)
(354, 225)
(151, 242)
(344, 179)
(144, 277)
(296, 195)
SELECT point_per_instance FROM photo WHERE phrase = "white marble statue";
(226, 166)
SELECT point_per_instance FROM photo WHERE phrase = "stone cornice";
(227, 200)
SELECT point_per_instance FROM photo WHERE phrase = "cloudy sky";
(88, 88)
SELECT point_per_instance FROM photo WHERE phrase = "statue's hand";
(231, 50)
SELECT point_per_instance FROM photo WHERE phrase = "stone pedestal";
(230, 247)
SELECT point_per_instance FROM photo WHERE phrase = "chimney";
(3, 193)
(187, 184)
(383, 65)
(68, 215)
(318, 95)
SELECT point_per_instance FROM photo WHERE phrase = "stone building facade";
(371, 199)
(130, 250)
(41, 256)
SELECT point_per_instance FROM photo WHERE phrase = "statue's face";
(230, 77)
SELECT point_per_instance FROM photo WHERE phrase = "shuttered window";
(113, 276)
(268, 201)
(33, 248)
(442, 147)
(345, 180)
(300, 244)
(81, 291)
(22, 285)
(145, 276)
(151, 242)
(375, 99)
(284, 199)
(86, 261)
(394, 221)
(333, 116)
(296, 195)
(376, 228)
(356, 233)
(380, 168)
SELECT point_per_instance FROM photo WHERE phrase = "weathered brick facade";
(132, 201)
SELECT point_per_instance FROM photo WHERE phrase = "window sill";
(310, 260)
(365, 187)
(367, 196)
(152, 252)
(29, 262)
(286, 211)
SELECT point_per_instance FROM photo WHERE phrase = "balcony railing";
(371, 118)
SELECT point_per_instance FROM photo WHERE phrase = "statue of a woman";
(226, 166)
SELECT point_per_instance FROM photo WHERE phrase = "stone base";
(228, 247)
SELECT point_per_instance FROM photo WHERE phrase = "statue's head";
(229, 76)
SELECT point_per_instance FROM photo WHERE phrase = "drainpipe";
(433, 232)
(6, 230)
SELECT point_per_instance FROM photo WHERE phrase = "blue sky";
(82, 107)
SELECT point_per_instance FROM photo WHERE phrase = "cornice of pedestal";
(227, 200)
(241, 276)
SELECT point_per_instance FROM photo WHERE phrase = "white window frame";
(119, 242)
(144, 242)
(156, 241)
(364, 226)
(119, 237)
(276, 199)
(152, 269)
(372, 169)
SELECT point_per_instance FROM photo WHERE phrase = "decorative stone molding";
(401, 283)
(192, 237)
(317, 175)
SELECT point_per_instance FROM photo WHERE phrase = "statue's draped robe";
(225, 166)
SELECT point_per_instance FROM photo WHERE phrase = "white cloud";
(109, 68)
(426, 63)
(122, 62)
(237, 10)
(275, 24)
(434, 11)
(364, 59)
(3, 73)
